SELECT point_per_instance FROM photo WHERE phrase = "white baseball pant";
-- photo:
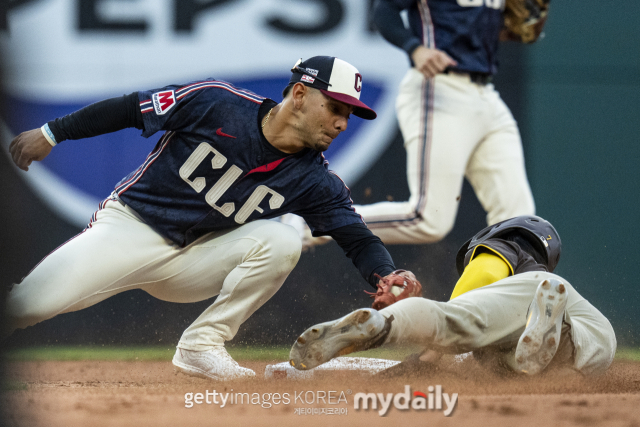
(452, 128)
(495, 316)
(244, 266)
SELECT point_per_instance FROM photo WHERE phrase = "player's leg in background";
(105, 259)
(246, 266)
(441, 123)
(496, 169)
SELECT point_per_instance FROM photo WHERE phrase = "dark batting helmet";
(539, 232)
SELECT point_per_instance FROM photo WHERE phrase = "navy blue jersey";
(213, 169)
(467, 30)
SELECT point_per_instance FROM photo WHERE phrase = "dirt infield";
(91, 393)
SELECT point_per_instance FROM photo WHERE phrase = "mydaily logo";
(418, 401)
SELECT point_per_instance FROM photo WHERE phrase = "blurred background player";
(453, 122)
(507, 307)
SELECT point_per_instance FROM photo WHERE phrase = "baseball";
(397, 290)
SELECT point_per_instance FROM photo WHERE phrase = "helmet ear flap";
(462, 252)
(554, 248)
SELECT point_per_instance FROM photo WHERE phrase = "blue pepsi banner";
(64, 54)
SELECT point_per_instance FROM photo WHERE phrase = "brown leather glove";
(394, 287)
(524, 19)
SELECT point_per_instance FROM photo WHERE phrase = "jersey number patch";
(224, 183)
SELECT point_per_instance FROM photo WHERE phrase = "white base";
(363, 364)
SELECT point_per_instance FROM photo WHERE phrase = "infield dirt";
(92, 393)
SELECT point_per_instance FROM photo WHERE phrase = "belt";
(127, 207)
(118, 199)
(475, 77)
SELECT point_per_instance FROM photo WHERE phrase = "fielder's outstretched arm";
(366, 251)
(106, 116)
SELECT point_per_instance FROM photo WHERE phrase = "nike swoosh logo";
(219, 132)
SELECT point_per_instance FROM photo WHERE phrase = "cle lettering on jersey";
(224, 183)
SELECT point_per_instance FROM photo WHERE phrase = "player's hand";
(29, 146)
(394, 287)
(431, 61)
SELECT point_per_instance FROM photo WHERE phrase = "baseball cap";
(336, 79)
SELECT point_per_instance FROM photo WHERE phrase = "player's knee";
(21, 314)
(433, 230)
(466, 329)
(609, 347)
(285, 244)
(439, 235)
(597, 357)
(521, 204)
(290, 245)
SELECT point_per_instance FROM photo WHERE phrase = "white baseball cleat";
(215, 364)
(360, 330)
(539, 342)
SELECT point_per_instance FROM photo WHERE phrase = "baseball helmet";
(539, 232)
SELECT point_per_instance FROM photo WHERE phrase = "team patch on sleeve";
(163, 101)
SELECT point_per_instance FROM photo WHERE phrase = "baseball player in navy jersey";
(190, 222)
(508, 308)
(453, 122)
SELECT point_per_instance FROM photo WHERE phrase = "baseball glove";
(394, 287)
(524, 19)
